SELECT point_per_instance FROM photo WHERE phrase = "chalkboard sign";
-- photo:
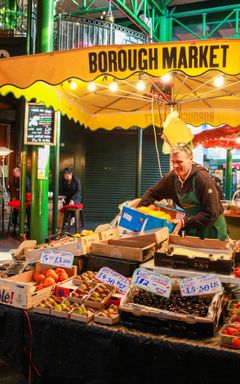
(40, 125)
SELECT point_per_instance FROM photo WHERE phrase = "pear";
(57, 307)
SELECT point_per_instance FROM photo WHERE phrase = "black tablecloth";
(56, 350)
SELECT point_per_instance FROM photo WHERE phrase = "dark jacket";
(15, 187)
(206, 191)
(72, 191)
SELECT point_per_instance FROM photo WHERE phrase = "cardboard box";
(85, 242)
(109, 234)
(208, 255)
(19, 290)
(129, 249)
(72, 245)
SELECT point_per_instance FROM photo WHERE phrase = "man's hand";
(71, 202)
(179, 223)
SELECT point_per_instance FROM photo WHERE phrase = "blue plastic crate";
(134, 220)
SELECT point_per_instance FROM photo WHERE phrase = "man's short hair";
(181, 147)
(68, 170)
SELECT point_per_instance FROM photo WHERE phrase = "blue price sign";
(111, 277)
(201, 285)
(57, 258)
(152, 282)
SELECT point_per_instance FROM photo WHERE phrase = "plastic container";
(136, 221)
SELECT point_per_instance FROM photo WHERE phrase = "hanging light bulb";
(140, 85)
(166, 78)
(113, 86)
(73, 84)
(91, 86)
(219, 81)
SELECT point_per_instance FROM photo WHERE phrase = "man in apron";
(191, 187)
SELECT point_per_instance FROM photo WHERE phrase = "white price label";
(57, 258)
(111, 277)
(153, 282)
(201, 285)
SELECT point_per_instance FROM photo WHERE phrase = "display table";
(62, 351)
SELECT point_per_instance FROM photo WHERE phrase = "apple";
(49, 281)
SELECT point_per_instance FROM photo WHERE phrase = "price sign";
(57, 258)
(111, 277)
(201, 285)
(40, 125)
(153, 282)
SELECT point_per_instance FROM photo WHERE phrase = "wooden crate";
(20, 290)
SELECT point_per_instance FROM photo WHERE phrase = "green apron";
(190, 203)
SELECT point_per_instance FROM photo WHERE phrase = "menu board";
(39, 125)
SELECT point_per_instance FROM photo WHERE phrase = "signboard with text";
(40, 125)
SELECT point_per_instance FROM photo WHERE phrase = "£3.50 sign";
(57, 258)
(153, 282)
(201, 285)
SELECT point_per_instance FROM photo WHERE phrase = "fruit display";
(56, 306)
(107, 316)
(49, 277)
(99, 296)
(82, 313)
(81, 292)
(191, 305)
(155, 213)
(230, 335)
(85, 277)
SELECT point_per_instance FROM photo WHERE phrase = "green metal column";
(56, 156)
(41, 154)
(229, 175)
(39, 203)
(165, 26)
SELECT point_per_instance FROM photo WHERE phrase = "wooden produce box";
(69, 245)
(129, 249)
(143, 315)
(20, 290)
(209, 255)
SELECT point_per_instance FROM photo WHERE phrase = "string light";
(166, 78)
(73, 84)
(113, 86)
(91, 86)
(140, 85)
(219, 81)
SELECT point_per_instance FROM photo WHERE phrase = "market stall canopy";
(62, 80)
(224, 137)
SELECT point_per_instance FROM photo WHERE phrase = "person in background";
(71, 187)
(192, 188)
(14, 190)
(218, 183)
(71, 190)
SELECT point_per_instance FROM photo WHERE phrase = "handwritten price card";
(152, 282)
(111, 277)
(57, 258)
(201, 285)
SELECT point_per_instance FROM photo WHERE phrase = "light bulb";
(140, 85)
(219, 81)
(166, 78)
(113, 86)
(73, 85)
(91, 86)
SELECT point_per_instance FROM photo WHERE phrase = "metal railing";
(75, 32)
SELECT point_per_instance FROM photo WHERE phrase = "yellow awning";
(193, 66)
